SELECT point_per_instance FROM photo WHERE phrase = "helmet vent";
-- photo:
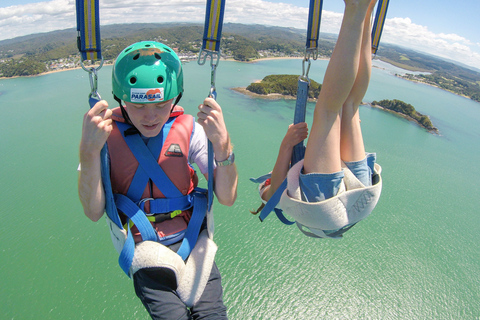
(135, 57)
(158, 56)
(160, 79)
(133, 80)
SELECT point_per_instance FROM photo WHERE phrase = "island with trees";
(285, 87)
(407, 111)
(281, 86)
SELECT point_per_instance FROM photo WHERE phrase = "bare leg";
(322, 153)
(351, 141)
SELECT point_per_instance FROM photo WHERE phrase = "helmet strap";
(176, 101)
(131, 130)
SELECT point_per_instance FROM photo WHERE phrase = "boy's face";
(149, 118)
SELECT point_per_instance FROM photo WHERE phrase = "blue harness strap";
(212, 31)
(88, 29)
(300, 113)
(377, 29)
(314, 18)
(200, 204)
(132, 204)
(212, 35)
(311, 49)
(272, 202)
(148, 166)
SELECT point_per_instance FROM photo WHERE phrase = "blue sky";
(444, 28)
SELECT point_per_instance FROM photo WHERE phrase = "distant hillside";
(37, 53)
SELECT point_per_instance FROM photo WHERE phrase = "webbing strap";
(138, 217)
(300, 113)
(380, 16)
(149, 164)
(88, 28)
(261, 178)
(110, 207)
(143, 225)
(210, 175)
(314, 18)
(212, 35)
(212, 32)
(272, 202)
(193, 230)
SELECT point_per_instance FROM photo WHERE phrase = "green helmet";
(147, 72)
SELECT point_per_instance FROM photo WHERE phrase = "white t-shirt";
(198, 152)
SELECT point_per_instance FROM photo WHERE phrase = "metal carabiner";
(92, 74)
(304, 75)
(204, 54)
(311, 53)
(202, 58)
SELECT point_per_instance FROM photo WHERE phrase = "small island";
(281, 86)
(407, 111)
(285, 87)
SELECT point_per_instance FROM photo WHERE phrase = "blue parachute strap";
(150, 165)
(155, 144)
(138, 217)
(212, 31)
(261, 178)
(212, 35)
(141, 177)
(126, 256)
(314, 18)
(271, 204)
(300, 113)
(282, 217)
(144, 226)
(194, 225)
(377, 29)
(210, 175)
(88, 30)
(110, 207)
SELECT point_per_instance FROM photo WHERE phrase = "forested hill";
(37, 53)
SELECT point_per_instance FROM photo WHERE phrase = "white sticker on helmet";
(139, 95)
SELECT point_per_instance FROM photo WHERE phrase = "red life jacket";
(173, 160)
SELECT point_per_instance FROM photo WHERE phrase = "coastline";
(50, 72)
(109, 64)
(270, 96)
(274, 58)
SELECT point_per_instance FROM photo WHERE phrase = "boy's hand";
(210, 117)
(97, 125)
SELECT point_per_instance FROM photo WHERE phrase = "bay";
(416, 257)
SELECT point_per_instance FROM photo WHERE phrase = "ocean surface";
(416, 257)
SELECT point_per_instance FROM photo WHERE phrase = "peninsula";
(285, 87)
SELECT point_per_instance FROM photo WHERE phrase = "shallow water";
(416, 257)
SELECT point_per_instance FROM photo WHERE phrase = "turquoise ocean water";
(416, 257)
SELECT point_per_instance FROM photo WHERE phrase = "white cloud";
(60, 14)
(401, 31)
